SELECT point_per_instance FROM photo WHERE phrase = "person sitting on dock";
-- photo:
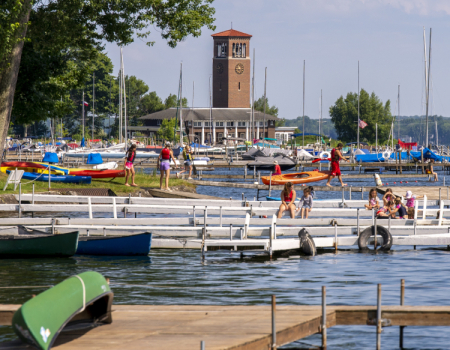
(430, 170)
(385, 211)
(188, 161)
(164, 165)
(311, 189)
(307, 203)
(388, 196)
(410, 203)
(336, 156)
(277, 168)
(400, 209)
(373, 200)
(288, 196)
(129, 167)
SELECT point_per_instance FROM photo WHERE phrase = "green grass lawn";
(116, 185)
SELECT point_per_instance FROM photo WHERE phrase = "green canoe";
(46, 245)
(82, 301)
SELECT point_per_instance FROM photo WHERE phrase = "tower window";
(244, 53)
(222, 50)
(239, 86)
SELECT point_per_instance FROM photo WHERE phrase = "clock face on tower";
(219, 68)
(239, 68)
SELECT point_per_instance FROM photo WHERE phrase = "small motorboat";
(132, 245)
(78, 304)
(266, 163)
(296, 178)
(42, 245)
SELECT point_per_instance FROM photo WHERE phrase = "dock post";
(270, 184)
(242, 196)
(357, 221)
(350, 191)
(32, 195)
(205, 217)
(259, 178)
(375, 235)
(343, 200)
(231, 232)
(221, 216)
(324, 317)
(373, 216)
(193, 215)
(20, 200)
(274, 230)
(415, 230)
(90, 207)
(245, 172)
(254, 172)
(379, 330)
(274, 328)
(270, 242)
(114, 208)
(203, 243)
(129, 198)
(402, 302)
(362, 193)
(53, 227)
(202, 345)
(335, 237)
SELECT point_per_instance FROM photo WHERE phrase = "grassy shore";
(116, 185)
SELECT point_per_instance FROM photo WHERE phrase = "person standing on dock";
(288, 196)
(188, 161)
(164, 165)
(336, 156)
(129, 167)
(277, 168)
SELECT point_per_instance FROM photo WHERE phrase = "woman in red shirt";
(336, 156)
(164, 165)
(288, 196)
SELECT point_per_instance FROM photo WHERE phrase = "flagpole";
(120, 98)
(82, 112)
(93, 102)
(358, 108)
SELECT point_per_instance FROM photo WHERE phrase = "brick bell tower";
(231, 69)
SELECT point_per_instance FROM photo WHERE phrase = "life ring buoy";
(324, 155)
(364, 237)
(307, 245)
(386, 155)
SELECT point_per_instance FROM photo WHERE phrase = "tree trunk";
(9, 74)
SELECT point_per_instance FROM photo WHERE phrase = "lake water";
(179, 277)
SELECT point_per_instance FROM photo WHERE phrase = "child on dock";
(388, 196)
(410, 203)
(400, 209)
(287, 200)
(306, 203)
(430, 170)
(313, 194)
(129, 167)
(373, 200)
(385, 211)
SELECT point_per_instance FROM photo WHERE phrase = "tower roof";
(231, 32)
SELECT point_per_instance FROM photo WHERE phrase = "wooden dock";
(227, 327)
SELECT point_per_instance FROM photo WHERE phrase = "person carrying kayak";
(336, 156)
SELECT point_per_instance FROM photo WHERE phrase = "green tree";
(151, 103)
(259, 106)
(167, 130)
(344, 115)
(62, 27)
(172, 102)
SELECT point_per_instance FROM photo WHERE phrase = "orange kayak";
(296, 178)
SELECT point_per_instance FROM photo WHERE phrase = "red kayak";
(23, 165)
(98, 174)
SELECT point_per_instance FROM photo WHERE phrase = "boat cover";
(94, 158)
(50, 157)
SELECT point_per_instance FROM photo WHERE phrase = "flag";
(85, 103)
(362, 124)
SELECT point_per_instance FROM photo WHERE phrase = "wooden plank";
(177, 194)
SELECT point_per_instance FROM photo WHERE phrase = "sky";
(331, 36)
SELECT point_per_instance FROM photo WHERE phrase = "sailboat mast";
(253, 98)
(181, 103)
(398, 115)
(428, 87)
(93, 103)
(303, 117)
(82, 112)
(120, 98)
(320, 120)
(265, 102)
(125, 106)
(210, 113)
(358, 110)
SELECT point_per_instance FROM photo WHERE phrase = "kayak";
(61, 245)
(30, 167)
(296, 178)
(79, 303)
(139, 244)
(56, 178)
(93, 173)
(4, 169)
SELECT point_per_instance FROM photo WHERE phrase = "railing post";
(274, 328)
(231, 232)
(193, 215)
(114, 208)
(221, 216)
(202, 345)
(32, 196)
(324, 317)
(375, 235)
(335, 238)
(379, 317)
(90, 207)
(357, 221)
(402, 302)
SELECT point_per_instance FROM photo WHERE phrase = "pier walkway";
(226, 327)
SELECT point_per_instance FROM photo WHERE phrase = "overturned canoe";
(56, 178)
(296, 178)
(61, 245)
(115, 246)
(82, 301)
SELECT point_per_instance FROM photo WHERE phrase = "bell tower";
(231, 69)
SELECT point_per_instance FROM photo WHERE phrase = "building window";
(219, 123)
(242, 135)
(207, 124)
(198, 124)
(239, 50)
(230, 124)
(244, 50)
(220, 135)
(239, 86)
(158, 122)
(241, 123)
(261, 123)
(222, 50)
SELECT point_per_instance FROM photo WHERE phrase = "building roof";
(218, 114)
(231, 32)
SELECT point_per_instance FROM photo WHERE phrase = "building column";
(235, 130)
(214, 133)
(224, 129)
(246, 131)
(257, 131)
(203, 133)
